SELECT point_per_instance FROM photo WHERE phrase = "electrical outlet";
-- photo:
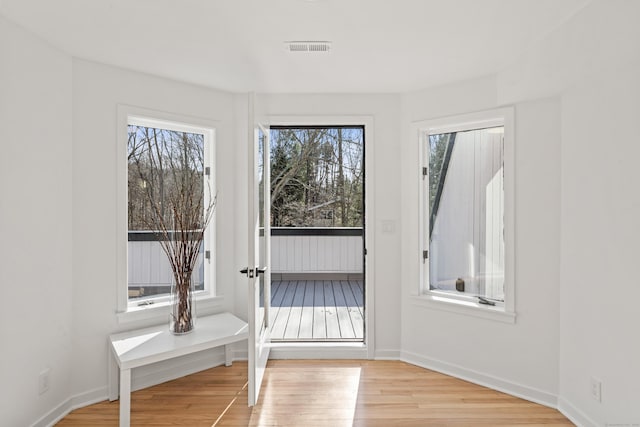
(596, 389)
(44, 381)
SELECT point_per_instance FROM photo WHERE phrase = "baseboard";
(240, 355)
(74, 402)
(142, 378)
(387, 355)
(495, 383)
(575, 415)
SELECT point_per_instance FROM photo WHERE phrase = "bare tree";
(316, 176)
(177, 204)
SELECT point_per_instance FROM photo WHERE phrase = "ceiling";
(237, 45)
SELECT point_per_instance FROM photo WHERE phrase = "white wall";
(384, 203)
(97, 91)
(35, 224)
(593, 61)
(520, 357)
(600, 236)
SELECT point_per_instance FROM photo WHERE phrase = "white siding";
(148, 265)
(316, 254)
(467, 238)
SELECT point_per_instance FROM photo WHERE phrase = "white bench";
(144, 346)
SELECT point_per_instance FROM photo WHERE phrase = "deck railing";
(316, 250)
(149, 272)
(294, 250)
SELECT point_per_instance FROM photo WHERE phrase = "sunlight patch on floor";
(337, 391)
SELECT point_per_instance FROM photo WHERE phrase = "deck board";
(276, 300)
(331, 317)
(344, 319)
(280, 322)
(319, 321)
(306, 319)
(358, 294)
(317, 310)
(355, 308)
(295, 315)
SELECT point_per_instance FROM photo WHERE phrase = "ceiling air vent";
(308, 46)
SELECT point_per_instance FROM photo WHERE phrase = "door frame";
(346, 350)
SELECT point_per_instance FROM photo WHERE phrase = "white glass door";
(259, 270)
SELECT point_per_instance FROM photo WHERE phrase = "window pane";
(466, 200)
(162, 166)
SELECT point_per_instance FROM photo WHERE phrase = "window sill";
(160, 311)
(466, 308)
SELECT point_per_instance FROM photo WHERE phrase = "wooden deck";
(317, 310)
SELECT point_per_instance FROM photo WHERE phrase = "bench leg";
(125, 397)
(228, 358)
(113, 378)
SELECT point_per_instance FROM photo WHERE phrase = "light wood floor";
(317, 310)
(311, 393)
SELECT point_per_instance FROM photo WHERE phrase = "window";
(164, 159)
(467, 205)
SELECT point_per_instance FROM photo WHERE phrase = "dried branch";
(180, 205)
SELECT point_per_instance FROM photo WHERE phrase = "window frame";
(157, 306)
(465, 304)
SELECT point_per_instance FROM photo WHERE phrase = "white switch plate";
(43, 381)
(596, 389)
(388, 226)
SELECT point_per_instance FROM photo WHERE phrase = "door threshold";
(318, 341)
(318, 350)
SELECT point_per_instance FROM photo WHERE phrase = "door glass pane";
(262, 240)
(317, 234)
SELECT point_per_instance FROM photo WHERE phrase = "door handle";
(248, 271)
